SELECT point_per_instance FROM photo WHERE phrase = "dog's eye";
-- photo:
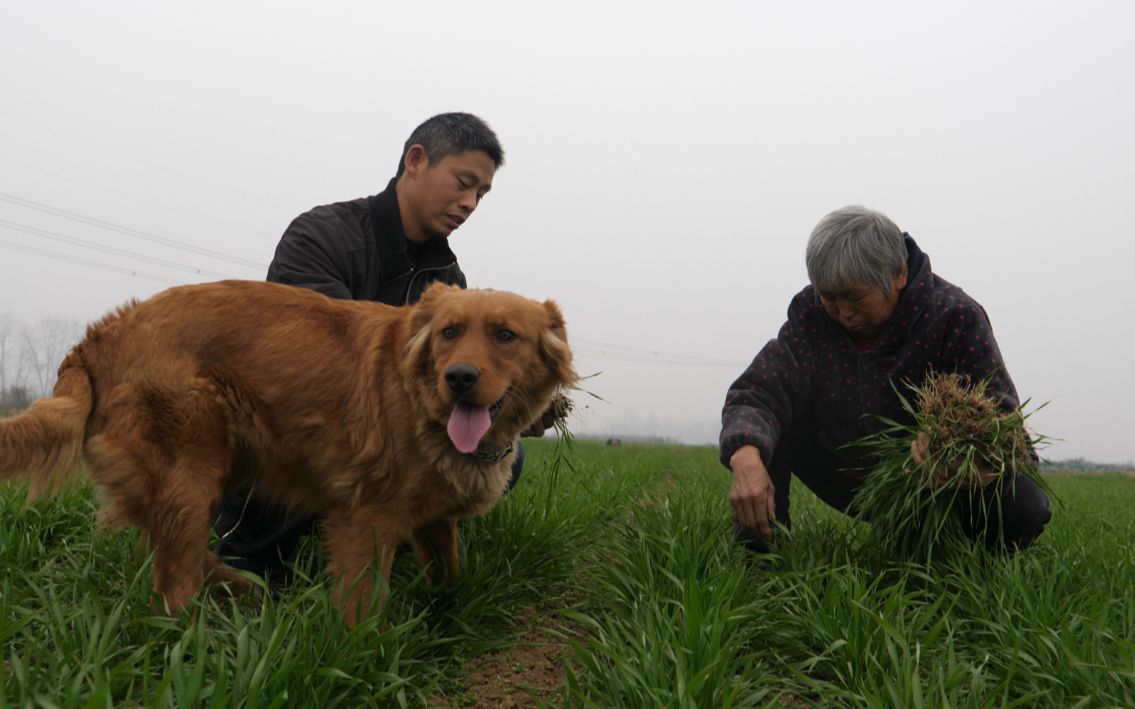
(505, 335)
(449, 333)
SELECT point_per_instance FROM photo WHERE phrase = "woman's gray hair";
(852, 246)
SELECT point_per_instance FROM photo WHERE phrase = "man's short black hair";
(451, 134)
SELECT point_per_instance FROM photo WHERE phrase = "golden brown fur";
(337, 408)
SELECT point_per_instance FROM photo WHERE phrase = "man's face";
(863, 309)
(440, 197)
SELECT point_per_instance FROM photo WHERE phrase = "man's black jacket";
(358, 250)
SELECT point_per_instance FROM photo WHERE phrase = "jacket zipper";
(410, 285)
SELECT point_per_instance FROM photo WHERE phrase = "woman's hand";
(945, 475)
(752, 496)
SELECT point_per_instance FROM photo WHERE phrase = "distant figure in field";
(874, 316)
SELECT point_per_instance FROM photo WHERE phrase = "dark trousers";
(258, 536)
(1015, 523)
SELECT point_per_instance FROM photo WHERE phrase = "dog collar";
(493, 456)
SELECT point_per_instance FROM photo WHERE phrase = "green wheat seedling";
(915, 509)
(561, 407)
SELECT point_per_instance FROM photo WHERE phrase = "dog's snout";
(462, 377)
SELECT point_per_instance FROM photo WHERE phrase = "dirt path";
(528, 673)
(531, 671)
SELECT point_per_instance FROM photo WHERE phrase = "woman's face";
(863, 309)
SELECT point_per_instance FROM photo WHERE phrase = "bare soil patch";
(529, 673)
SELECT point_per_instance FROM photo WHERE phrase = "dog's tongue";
(467, 426)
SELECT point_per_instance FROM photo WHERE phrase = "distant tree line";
(30, 354)
(1083, 464)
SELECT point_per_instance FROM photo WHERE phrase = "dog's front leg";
(359, 542)
(436, 542)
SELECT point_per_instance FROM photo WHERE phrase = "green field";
(612, 583)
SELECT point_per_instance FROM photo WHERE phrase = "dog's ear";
(416, 354)
(435, 292)
(554, 345)
(424, 310)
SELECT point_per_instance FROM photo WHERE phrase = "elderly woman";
(875, 315)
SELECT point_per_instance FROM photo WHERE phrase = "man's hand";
(546, 420)
(752, 496)
(945, 475)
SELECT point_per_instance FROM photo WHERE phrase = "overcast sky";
(665, 165)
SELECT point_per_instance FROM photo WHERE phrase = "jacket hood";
(915, 297)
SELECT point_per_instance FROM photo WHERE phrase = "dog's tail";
(43, 444)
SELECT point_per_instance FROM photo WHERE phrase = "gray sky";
(665, 165)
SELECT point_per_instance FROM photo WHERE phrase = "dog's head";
(486, 363)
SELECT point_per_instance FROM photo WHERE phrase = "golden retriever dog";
(389, 423)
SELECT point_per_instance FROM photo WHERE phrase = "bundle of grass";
(561, 407)
(958, 452)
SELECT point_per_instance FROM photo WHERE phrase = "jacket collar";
(913, 301)
(915, 297)
(390, 240)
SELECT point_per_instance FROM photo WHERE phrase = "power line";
(630, 353)
(119, 153)
(614, 356)
(124, 195)
(88, 262)
(109, 249)
(598, 348)
(605, 350)
(136, 233)
(625, 353)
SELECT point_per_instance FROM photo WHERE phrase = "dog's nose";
(462, 377)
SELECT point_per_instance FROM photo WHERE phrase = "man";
(874, 316)
(386, 248)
